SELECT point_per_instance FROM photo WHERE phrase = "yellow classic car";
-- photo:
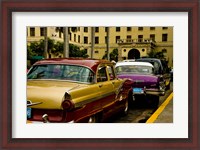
(75, 90)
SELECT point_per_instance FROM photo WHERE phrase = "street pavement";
(166, 116)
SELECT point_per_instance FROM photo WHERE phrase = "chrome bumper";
(45, 119)
(40, 122)
(156, 92)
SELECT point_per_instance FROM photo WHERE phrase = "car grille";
(142, 84)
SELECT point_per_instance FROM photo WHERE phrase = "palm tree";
(92, 40)
(66, 42)
(66, 31)
(45, 43)
(107, 42)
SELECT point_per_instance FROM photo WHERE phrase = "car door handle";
(100, 85)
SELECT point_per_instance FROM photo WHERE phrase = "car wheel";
(93, 119)
(153, 101)
(168, 86)
(131, 100)
(125, 112)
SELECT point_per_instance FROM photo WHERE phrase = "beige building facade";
(131, 42)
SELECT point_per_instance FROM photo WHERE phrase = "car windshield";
(134, 69)
(61, 72)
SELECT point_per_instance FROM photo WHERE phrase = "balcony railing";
(135, 41)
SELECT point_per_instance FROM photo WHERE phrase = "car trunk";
(49, 94)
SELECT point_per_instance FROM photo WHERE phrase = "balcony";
(136, 42)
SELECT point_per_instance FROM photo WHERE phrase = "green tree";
(66, 31)
(37, 48)
(55, 48)
(113, 55)
(74, 51)
(155, 54)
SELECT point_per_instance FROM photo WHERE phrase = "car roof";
(124, 63)
(148, 59)
(89, 63)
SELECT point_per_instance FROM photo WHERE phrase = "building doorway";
(133, 54)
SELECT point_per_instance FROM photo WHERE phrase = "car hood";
(49, 94)
(140, 79)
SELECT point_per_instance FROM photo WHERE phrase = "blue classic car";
(145, 83)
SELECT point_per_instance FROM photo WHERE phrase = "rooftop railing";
(140, 40)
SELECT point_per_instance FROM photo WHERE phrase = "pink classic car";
(146, 84)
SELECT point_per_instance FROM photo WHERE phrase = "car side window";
(111, 72)
(102, 75)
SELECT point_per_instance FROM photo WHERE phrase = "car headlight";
(161, 85)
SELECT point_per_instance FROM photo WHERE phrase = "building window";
(128, 28)
(97, 40)
(74, 37)
(140, 38)
(143, 50)
(42, 30)
(140, 28)
(152, 37)
(96, 29)
(128, 37)
(85, 40)
(96, 51)
(117, 38)
(165, 28)
(79, 38)
(106, 29)
(85, 29)
(117, 29)
(152, 28)
(106, 38)
(164, 50)
(164, 37)
(32, 31)
(124, 50)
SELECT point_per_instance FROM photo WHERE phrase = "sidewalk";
(164, 114)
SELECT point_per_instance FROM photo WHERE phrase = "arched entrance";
(133, 54)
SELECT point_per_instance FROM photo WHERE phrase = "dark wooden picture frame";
(10, 6)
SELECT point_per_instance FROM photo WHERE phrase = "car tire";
(126, 108)
(94, 119)
(153, 102)
(131, 100)
(168, 86)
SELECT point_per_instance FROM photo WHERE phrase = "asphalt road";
(139, 114)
